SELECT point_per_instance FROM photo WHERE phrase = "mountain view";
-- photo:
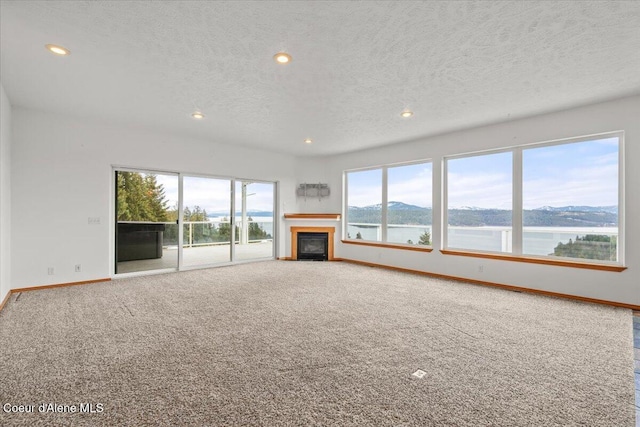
(546, 216)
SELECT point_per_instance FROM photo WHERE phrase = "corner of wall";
(5, 194)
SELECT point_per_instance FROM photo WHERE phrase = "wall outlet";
(94, 220)
(77, 268)
(481, 268)
(50, 271)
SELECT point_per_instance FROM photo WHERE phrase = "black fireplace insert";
(313, 246)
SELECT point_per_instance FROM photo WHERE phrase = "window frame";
(384, 207)
(517, 226)
(445, 197)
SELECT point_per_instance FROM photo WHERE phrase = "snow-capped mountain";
(396, 206)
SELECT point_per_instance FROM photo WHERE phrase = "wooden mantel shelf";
(325, 216)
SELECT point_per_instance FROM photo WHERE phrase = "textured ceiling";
(356, 65)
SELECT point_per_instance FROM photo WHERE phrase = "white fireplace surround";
(313, 223)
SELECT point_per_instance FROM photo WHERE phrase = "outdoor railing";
(208, 232)
(540, 241)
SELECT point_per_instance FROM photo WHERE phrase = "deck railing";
(536, 240)
(194, 239)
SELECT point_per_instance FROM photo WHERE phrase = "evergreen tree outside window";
(570, 200)
(141, 198)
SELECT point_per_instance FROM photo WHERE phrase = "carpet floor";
(310, 343)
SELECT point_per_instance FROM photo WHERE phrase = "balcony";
(205, 244)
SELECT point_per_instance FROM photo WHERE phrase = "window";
(254, 216)
(206, 220)
(570, 200)
(553, 200)
(479, 214)
(146, 233)
(391, 204)
(364, 205)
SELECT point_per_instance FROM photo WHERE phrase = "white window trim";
(384, 200)
(517, 195)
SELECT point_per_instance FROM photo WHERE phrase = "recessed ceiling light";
(58, 50)
(197, 115)
(308, 141)
(406, 114)
(282, 58)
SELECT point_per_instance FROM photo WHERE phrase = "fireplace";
(313, 246)
(327, 232)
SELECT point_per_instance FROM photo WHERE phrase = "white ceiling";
(356, 65)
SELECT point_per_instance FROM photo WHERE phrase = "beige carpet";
(310, 343)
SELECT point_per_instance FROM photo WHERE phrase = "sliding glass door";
(206, 221)
(254, 205)
(146, 221)
(169, 221)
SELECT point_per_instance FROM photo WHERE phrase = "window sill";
(534, 260)
(389, 245)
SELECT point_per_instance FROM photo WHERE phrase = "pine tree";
(140, 198)
(224, 231)
(157, 203)
(591, 246)
(121, 202)
(425, 238)
(256, 232)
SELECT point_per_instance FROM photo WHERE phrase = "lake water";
(536, 240)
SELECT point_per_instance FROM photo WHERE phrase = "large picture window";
(364, 205)
(390, 204)
(570, 200)
(554, 200)
(480, 194)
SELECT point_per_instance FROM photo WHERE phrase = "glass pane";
(364, 211)
(409, 206)
(254, 220)
(570, 200)
(480, 202)
(146, 212)
(206, 216)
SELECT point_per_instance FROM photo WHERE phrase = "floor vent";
(419, 373)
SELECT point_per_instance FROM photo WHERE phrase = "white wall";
(622, 114)
(5, 194)
(62, 175)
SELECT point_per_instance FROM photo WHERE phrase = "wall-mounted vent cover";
(313, 190)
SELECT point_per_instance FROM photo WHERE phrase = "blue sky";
(481, 181)
(583, 173)
(409, 184)
(214, 195)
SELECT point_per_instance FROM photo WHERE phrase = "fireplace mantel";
(316, 216)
